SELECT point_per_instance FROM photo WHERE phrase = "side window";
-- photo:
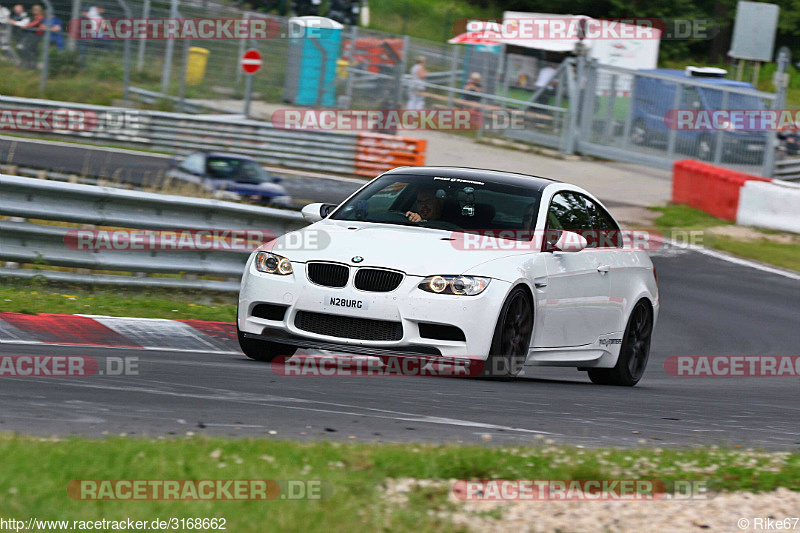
(193, 164)
(605, 232)
(568, 212)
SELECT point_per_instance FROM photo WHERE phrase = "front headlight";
(460, 285)
(273, 264)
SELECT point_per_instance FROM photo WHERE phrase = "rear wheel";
(512, 337)
(634, 352)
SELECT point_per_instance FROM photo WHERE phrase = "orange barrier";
(709, 188)
(378, 152)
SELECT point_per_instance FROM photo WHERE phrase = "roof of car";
(227, 155)
(497, 176)
(716, 81)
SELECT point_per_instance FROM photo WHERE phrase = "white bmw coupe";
(509, 269)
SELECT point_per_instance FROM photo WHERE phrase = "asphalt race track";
(709, 307)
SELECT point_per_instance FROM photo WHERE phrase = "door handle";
(603, 269)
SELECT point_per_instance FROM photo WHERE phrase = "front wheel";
(512, 337)
(634, 352)
(263, 350)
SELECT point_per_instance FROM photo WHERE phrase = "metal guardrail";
(44, 245)
(788, 169)
(179, 133)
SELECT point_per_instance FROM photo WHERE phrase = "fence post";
(401, 70)
(242, 48)
(48, 15)
(673, 133)
(170, 45)
(574, 82)
(720, 135)
(75, 14)
(142, 42)
(187, 43)
(351, 51)
(783, 60)
(452, 80)
(126, 53)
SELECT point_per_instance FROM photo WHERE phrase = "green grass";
(680, 218)
(774, 253)
(685, 217)
(36, 472)
(41, 297)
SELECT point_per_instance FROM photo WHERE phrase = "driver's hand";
(413, 217)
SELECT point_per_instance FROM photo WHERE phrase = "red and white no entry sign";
(251, 61)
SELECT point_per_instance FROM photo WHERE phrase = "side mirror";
(316, 212)
(569, 241)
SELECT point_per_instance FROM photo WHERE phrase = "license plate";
(345, 303)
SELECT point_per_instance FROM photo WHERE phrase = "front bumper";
(475, 316)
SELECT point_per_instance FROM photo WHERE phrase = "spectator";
(5, 15)
(56, 38)
(416, 98)
(38, 17)
(546, 80)
(474, 85)
(20, 17)
(29, 39)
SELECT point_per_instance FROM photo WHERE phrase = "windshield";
(246, 170)
(735, 100)
(443, 203)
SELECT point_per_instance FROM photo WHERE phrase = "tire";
(705, 149)
(262, 350)
(634, 352)
(638, 133)
(512, 337)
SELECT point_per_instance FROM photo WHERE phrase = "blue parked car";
(655, 97)
(232, 177)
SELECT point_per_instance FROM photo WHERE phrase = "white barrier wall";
(772, 205)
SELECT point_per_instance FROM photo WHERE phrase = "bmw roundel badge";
(357, 259)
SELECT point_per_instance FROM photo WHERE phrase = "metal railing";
(788, 169)
(324, 151)
(43, 245)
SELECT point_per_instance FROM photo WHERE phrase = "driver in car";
(429, 206)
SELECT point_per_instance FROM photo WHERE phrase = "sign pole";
(248, 94)
(251, 63)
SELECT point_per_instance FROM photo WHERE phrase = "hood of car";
(415, 251)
